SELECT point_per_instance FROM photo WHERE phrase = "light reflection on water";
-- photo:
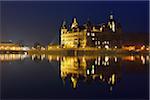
(105, 59)
(84, 69)
(12, 57)
(89, 68)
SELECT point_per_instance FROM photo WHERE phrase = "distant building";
(38, 46)
(9, 46)
(107, 35)
(52, 46)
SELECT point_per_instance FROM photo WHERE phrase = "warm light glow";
(106, 58)
(92, 71)
(95, 42)
(143, 47)
(101, 29)
(129, 48)
(101, 77)
(129, 58)
(113, 79)
(143, 59)
(96, 62)
(12, 57)
(116, 59)
(43, 56)
(74, 82)
(57, 58)
(25, 48)
(113, 26)
(93, 39)
(88, 34)
(106, 47)
(93, 34)
(88, 72)
(147, 58)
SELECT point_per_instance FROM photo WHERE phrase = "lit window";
(106, 46)
(101, 29)
(93, 39)
(95, 42)
(93, 34)
(115, 46)
(88, 72)
(98, 42)
(107, 42)
(88, 34)
(113, 26)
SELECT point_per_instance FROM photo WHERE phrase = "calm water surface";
(93, 77)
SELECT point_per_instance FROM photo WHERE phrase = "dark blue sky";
(40, 21)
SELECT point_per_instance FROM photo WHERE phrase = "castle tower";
(111, 23)
(64, 28)
(75, 23)
(111, 17)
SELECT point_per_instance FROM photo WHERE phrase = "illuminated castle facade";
(106, 35)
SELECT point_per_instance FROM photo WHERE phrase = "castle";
(104, 36)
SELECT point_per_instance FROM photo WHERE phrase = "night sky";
(31, 21)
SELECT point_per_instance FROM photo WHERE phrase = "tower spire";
(111, 15)
(64, 26)
(75, 23)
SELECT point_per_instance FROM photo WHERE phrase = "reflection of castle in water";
(104, 69)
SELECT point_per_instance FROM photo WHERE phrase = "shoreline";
(73, 52)
(78, 52)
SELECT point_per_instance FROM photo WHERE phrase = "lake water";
(88, 77)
